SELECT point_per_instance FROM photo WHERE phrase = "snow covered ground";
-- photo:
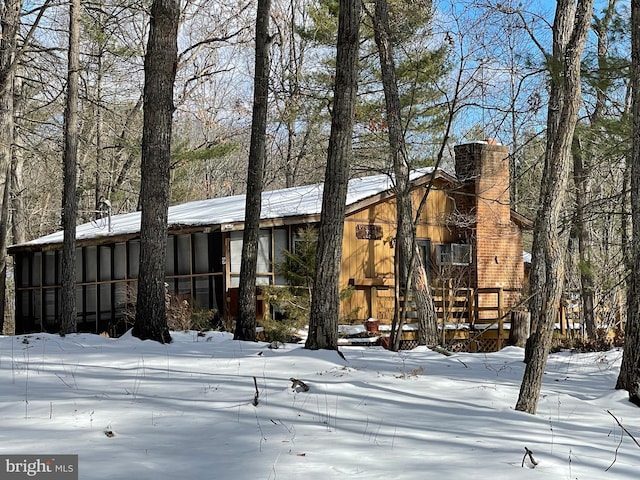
(141, 410)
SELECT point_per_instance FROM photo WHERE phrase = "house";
(468, 236)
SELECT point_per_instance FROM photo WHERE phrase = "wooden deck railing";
(454, 305)
(481, 310)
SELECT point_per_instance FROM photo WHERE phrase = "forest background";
(466, 71)
(480, 65)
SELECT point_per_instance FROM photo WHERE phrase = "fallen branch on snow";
(618, 447)
(257, 394)
(442, 351)
(529, 453)
(624, 429)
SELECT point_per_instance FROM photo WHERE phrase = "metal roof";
(288, 202)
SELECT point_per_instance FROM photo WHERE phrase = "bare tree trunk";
(246, 321)
(325, 305)
(570, 29)
(160, 72)
(411, 281)
(629, 378)
(69, 200)
(4, 227)
(18, 217)
(520, 327)
(9, 27)
(98, 190)
(582, 178)
(583, 234)
(6, 137)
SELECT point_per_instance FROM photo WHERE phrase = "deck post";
(500, 319)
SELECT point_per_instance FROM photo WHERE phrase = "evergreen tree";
(420, 70)
(409, 263)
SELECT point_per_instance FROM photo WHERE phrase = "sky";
(209, 407)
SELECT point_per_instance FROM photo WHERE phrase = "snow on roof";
(295, 201)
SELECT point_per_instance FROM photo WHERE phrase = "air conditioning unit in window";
(453, 254)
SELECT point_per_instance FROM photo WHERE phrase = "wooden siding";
(368, 264)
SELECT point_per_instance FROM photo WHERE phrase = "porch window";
(454, 254)
(264, 267)
(424, 248)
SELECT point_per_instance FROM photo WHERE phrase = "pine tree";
(246, 321)
(325, 305)
(69, 201)
(160, 70)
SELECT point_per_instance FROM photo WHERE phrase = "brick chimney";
(483, 170)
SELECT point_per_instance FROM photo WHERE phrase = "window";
(49, 269)
(134, 258)
(454, 254)
(424, 247)
(90, 264)
(104, 252)
(170, 257)
(120, 261)
(183, 254)
(201, 252)
(264, 265)
(280, 243)
(235, 247)
(264, 253)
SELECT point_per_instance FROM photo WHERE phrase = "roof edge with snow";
(301, 203)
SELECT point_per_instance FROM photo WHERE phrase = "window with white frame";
(453, 254)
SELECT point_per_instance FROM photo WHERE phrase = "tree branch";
(624, 429)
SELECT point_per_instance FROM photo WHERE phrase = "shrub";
(292, 303)
(603, 341)
(182, 315)
(292, 307)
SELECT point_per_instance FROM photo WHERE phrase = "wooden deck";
(474, 320)
(470, 320)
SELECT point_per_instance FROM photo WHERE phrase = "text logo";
(51, 467)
